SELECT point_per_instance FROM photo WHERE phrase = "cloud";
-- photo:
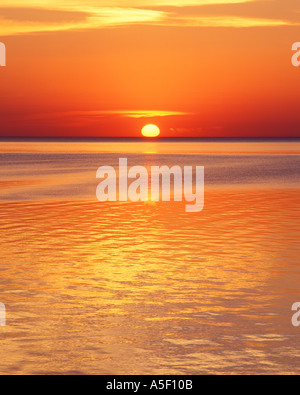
(225, 21)
(260, 12)
(31, 16)
(40, 15)
(94, 4)
(75, 20)
(103, 113)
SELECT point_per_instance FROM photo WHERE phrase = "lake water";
(146, 288)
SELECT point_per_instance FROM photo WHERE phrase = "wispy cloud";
(32, 16)
(111, 113)
(145, 114)
(226, 21)
(87, 19)
(80, 4)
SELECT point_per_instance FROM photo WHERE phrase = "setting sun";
(150, 131)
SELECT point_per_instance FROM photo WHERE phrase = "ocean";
(145, 287)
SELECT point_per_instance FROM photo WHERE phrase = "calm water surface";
(146, 288)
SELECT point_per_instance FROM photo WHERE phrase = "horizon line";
(142, 139)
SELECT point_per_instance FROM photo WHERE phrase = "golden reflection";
(105, 288)
(195, 147)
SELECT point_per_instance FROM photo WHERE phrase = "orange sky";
(198, 68)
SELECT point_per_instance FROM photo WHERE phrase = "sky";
(195, 68)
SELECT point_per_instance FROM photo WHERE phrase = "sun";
(150, 131)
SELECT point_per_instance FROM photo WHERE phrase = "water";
(146, 288)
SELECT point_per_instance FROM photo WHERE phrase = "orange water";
(146, 288)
